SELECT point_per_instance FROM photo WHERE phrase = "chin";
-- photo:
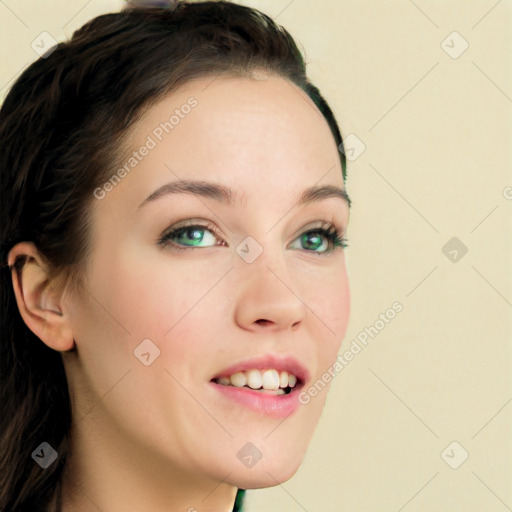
(272, 473)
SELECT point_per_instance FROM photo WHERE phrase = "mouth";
(269, 385)
(269, 380)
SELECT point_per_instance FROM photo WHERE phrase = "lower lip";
(277, 406)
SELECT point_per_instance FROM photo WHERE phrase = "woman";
(173, 277)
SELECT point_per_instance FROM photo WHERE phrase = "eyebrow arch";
(226, 195)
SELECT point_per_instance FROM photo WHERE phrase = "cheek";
(145, 298)
(329, 303)
(167, 302)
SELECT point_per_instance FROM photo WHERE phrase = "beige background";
(438, 134)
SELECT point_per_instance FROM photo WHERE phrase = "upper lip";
(280, 363)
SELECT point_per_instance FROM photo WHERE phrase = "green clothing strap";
(239, 501)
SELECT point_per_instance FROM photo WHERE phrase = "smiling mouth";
(268, 381)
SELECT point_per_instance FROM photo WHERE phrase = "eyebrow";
(226, 195)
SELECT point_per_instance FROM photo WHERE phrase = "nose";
(267, 297)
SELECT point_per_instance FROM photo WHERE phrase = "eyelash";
(328, 230)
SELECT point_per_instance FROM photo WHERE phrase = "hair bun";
(148, 4)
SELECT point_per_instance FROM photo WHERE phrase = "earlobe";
(40, 305)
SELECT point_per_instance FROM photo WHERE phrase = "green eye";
(327, 237)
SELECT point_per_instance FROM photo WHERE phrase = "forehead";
(251, 134)
(265, 114)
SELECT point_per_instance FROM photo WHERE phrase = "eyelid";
(318, 224)
(189, 223)
(205, 223)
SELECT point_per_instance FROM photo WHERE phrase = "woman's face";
(162, 318)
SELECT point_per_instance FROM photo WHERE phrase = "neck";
(108, 472)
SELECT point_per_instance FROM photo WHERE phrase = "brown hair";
(61, 126)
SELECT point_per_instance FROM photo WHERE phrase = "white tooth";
(224, 381)
(292, 380)
(270, 379)
(239, 379)
(254, 379)
(275, 392)
(283, 380)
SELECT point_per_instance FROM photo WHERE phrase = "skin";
(157, 437)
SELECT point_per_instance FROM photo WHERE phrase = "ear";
(40, 305)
